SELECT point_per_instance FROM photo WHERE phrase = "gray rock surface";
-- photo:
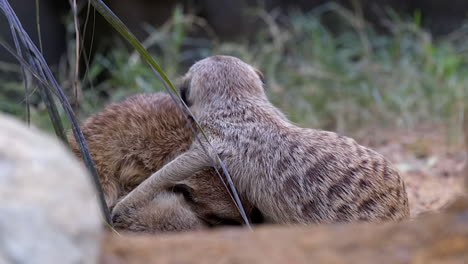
(48, 207)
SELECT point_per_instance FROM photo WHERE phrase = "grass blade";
(38, 22)
(25, 79)
(19, 39)
(37, 63)
(125, 32)
(77, 54)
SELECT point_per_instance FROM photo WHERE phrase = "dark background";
(226, 17)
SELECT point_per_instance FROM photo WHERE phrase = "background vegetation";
(343, 78)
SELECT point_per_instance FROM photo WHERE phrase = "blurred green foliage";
(344, 79)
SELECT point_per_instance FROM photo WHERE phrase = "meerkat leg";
(177, 170)
(180, 168)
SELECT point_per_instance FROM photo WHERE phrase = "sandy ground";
(431, 163)
(433, 170)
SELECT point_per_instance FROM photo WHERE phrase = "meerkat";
(130, 140)
(291, 174)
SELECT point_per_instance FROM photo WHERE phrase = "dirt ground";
(430, 162)
(433, 169)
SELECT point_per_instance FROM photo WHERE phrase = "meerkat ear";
(260, 75)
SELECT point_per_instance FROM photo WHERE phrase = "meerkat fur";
(130, 140)
(291, 174)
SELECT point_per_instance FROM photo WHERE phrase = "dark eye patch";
(184, 94)
(256, 217)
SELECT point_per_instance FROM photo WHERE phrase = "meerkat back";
(291, 174)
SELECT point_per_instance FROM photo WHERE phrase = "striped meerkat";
(130, 140)
(291, 174)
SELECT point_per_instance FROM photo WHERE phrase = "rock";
(48, 206)
(431, 238)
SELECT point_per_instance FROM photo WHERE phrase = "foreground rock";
(48, 209)
(437, 238)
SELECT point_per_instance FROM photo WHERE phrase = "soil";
(429, 160)
(432, 166)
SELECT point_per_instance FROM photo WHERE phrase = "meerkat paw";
(129, 203)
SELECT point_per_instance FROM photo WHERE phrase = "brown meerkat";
(291, 174)
(130, 140)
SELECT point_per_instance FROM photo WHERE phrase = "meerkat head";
(220, 77)
(165, 212)
(212, 202)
